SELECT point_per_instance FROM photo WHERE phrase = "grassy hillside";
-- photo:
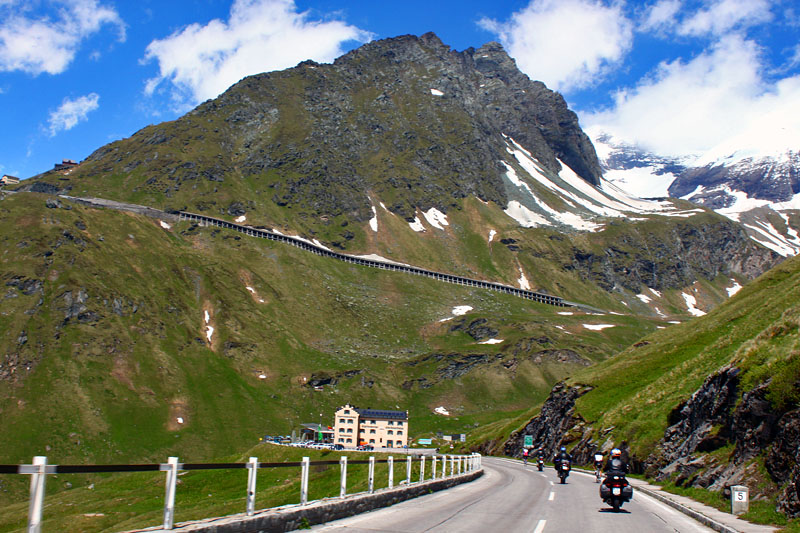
(757, 329)
(104, 327)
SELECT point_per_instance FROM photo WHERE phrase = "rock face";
(718, 415)
(689, 251)
(549, 429)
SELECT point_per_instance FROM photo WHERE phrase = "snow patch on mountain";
(436, 218)
(373, 222)
(691, 305)
(417, 225)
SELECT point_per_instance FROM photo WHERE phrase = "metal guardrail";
(325, 252)
(39, 469)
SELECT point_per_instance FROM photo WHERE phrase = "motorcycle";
(598, 467)
(540, 464)
(615, 490)
(563, 470)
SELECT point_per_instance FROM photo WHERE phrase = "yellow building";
(9, 180)
(375, 427)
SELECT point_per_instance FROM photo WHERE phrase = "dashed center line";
(540, 526)
(552, 496)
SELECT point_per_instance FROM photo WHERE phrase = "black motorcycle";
(615, 490)
(563, 467)
(540, 464)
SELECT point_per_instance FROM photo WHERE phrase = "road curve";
(512, 498)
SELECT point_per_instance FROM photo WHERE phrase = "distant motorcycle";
(615, 490)
(540, 464)
(563, 470)
(598, 467)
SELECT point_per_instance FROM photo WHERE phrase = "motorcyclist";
(561, 456)
(616, 463)
(525, 455)
(598, 464)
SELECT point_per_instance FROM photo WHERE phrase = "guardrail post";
(169, 497)
(408, 470)
(251, 485)
(343, 480)
(452, 465)
(36, 503)
(371, 475)
(391, 471)
(421, 468)
(433, 466)
(304, 481)
(444, 466)
(460, 458)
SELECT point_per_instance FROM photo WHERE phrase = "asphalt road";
(510, 498)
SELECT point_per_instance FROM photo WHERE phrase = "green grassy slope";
(757, 329)
(104, 328)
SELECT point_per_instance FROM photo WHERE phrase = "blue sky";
(680, 77)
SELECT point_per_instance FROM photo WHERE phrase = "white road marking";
(552, 496)
(540, 526)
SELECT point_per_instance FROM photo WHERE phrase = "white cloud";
(687, 107)
(567, 44)
(71, 112)
(37, 42)
(200, 62)
(660, 16)
(722, 16)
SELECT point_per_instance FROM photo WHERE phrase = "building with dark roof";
(380, 428)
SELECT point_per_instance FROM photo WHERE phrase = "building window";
(391, 432)
(341, 420)
(371, 431)
(341, 430)
(399, 432)
(350, 440)
(350, 421)
(362, 430)
(372, 441)
(391, 423)
(399, 422)
(347, 411)
(388, 444)
(349, 430)
(341, 439)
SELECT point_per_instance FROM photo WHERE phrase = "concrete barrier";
(291, 517)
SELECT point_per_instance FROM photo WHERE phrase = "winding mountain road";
(512, 498)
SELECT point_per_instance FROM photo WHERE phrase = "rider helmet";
(616, 453)
(563, 448)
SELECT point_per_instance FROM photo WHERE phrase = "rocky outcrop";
(782, 462)
(690, 251)
(719, 415)
(555, 420)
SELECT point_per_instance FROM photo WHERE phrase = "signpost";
(528, 441)
(740, 499)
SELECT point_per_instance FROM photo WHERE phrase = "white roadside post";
(421, 468)
(304, 481)
(444, 466)
(343, 479)
(371, 475)
(433, 466)
(252, 467)
(36, 503)
(459, 465)
(740, 499)
(169, 498)
(391, 471)
(408, 470)
(452, 465)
